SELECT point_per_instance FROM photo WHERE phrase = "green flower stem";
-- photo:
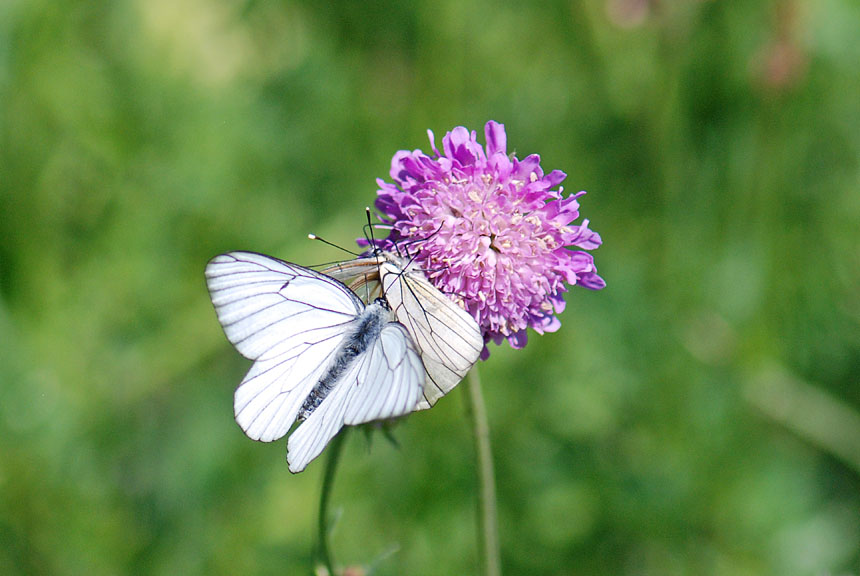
(323, 554)
(488, 531)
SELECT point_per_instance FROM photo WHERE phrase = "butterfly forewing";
(448, 337)
(265, 304)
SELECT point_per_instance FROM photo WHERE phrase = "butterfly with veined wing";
(320, 354)
(448, 338)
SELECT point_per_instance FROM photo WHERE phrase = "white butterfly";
(448, 338)
(320, 355)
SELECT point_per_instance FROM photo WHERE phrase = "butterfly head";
(382, 303)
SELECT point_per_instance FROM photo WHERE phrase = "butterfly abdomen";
(365, 330)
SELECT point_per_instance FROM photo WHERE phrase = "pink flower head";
(490, 229)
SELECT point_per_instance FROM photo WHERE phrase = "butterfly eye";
(383, 303)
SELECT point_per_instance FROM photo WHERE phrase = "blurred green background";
(698, 416)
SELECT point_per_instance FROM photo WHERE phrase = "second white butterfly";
(448, 338)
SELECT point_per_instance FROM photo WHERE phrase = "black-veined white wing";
(315, 345)
(361, 275)
(447, 336)
(385, 382)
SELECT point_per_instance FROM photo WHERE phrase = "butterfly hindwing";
(390, 381)
(384, 382)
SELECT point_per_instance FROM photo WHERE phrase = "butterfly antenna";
(376, 252)
(369, 230)
(372, 239)
(408, 243)
(333, 245)
(413, 257)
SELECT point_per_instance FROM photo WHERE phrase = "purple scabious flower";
(493, 231)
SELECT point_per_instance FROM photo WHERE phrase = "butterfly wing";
(290, 320)
(360, 275)
(448, 337)
(390, 380)
(384, 381)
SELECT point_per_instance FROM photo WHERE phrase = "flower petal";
(497, 140)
